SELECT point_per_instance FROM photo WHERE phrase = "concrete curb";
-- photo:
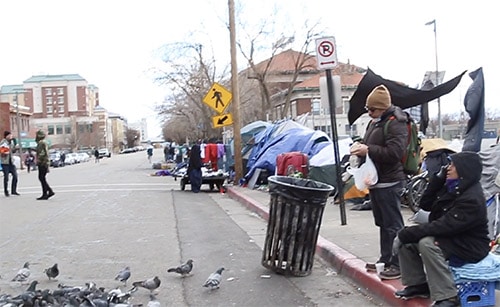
(346, 263)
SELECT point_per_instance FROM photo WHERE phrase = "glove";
(396, 244)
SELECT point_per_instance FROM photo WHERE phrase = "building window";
(50, 110)
(50, 130)
(60, 100)
(60, 109)
(60, 91)
(49, 100)
(48, 91)
(67, 129)
(59, 129)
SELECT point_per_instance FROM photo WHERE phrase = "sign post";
(326, 55)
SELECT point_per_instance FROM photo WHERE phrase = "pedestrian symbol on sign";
(218, 98)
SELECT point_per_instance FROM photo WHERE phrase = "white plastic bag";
(365, 175)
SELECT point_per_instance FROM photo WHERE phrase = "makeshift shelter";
(281, 137)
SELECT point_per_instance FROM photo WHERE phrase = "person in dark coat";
(386, 151)
(194, 168)
(457, 232)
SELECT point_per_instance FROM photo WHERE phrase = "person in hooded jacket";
(194, 168)
(457, 232)
(43, 162)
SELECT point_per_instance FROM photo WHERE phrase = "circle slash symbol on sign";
(326, 49)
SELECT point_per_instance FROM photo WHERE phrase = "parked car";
(83, 157)
(55, 159)
(104, 152)
(127, 150)
(71, 158)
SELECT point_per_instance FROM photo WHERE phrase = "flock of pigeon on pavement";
(90, 295)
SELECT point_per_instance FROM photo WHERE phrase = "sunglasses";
(370, 109)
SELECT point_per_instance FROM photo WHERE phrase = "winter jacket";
(6, 153)
(387, 151)
(458, 218)
(42, 150)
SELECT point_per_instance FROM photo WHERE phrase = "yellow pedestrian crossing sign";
(218, 98)
(222, 120)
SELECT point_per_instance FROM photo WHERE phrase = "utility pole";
(18, 123)
(238, 163)
(433, 22)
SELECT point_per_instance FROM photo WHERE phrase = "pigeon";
(23, 274)
(123, 275)
(52, 272)
(32, 287)
(213, 281)
(183, 269)
(150, 284)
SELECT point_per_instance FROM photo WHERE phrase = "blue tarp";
(280, 138)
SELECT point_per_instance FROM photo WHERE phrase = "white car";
(104, 152)
(71, 158)
(83, 157)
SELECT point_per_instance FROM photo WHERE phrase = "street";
(113, 214)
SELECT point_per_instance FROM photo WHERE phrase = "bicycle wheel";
(416, 190)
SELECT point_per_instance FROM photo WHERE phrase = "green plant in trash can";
(291, 171)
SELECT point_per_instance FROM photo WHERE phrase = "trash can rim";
(322, 186)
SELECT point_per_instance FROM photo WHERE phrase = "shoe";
(449, 302)
(15, 193)
(370, 267)
(410, 292)
(44, 197)
(390, 273)
(50, 195)
(6, 194)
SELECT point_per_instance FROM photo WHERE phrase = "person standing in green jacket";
(43, 162)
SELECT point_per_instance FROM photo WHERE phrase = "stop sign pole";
(327, 59)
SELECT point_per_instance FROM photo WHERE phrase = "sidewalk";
(346, 247)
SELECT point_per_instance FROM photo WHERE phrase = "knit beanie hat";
(5, 133)
(379, 98)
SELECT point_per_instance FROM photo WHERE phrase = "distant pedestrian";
(30, 160)
(165, 152)
(7, 148)
(194, 168)
(149, 151)
(96, 155)
(43, 162)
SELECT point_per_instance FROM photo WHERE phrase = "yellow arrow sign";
(222, 120)
(218, 98)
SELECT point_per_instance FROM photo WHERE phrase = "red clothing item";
(211, 155)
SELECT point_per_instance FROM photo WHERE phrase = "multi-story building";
(15, 116)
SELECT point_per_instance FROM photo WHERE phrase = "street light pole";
(433, 22)
(18, 123)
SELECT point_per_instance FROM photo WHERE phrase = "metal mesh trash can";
(294, 221)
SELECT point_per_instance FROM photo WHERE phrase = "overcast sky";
(113, 44)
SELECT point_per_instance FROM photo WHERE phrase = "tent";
(281, 137)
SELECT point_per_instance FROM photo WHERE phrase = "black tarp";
(474, 105)
(401, 95)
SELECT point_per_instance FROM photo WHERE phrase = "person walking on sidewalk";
(7, 148)
(386, 150)
(194, 168)
(457, 232)
(43, 162)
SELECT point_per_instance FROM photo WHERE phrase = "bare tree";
(261, 72)
(131, 136)
(189, 77)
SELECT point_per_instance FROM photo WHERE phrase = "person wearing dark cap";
(456, 234)
(43, 162)
(7, 149)
(386, 150)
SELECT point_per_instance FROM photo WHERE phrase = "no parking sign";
(326, 53)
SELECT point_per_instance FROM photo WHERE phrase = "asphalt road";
(113, 214)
